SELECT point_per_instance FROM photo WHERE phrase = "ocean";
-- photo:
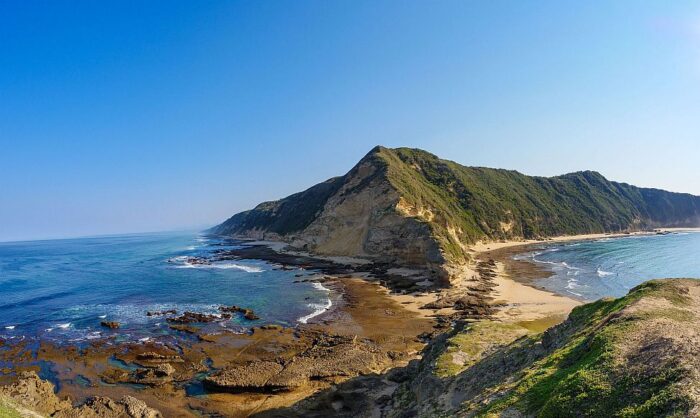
(589, 270)
(61, 290)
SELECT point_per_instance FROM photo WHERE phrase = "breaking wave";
(318, 308)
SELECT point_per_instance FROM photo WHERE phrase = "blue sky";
(141, 116)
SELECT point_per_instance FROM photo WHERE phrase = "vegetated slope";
(635, 356)
(383, 201)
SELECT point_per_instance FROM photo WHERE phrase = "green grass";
(586, 378)
(473, 344)
(7, 410)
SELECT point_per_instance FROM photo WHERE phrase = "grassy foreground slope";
(635, 356)
(462, 205)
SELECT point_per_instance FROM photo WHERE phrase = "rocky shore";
(382, 318)
(194, 372)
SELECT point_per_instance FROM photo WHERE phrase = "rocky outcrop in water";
(247, 313)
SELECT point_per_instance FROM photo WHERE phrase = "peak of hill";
(410, 207)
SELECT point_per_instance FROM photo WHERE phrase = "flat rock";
(252, 377)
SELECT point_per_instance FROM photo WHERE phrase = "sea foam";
(602, 273)
(221, 266)
(318, 308)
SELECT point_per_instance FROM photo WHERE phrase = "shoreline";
(527, 303)
(363, 331)
(481, 247)
(372, 322)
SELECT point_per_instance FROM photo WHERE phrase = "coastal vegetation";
(626, 357)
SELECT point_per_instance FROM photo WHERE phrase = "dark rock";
(247, 313)
(153, 357)
(272, 327)
(190, 317)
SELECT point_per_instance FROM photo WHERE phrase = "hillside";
(636, 356)
(410, 207)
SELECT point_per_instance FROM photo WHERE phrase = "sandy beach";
(481, 247)
(526, 303)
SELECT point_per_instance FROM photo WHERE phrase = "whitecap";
(102, 316)
(544, 262)
(63, 326)
(10, 327)
(320, 286)
(178, 259)
(222, 266)
(571, 283)
(318, 310)
(568, 266)
(602, 273)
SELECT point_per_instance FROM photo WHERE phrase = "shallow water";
(593, 269)
(62, 289)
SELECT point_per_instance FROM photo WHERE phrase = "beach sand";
(526, 303)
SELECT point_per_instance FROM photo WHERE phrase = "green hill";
(393, 196)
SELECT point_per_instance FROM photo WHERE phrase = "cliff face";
(358, 214)
(411, 207)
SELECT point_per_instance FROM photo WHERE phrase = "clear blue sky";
(120, 116)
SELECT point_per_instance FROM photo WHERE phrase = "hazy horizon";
(128, 117)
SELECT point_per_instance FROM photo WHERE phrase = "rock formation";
(31, 396)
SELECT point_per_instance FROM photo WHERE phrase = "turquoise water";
(63, 289)
(593, 269)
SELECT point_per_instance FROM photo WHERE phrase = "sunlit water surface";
(62, 289)
(611, 266)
